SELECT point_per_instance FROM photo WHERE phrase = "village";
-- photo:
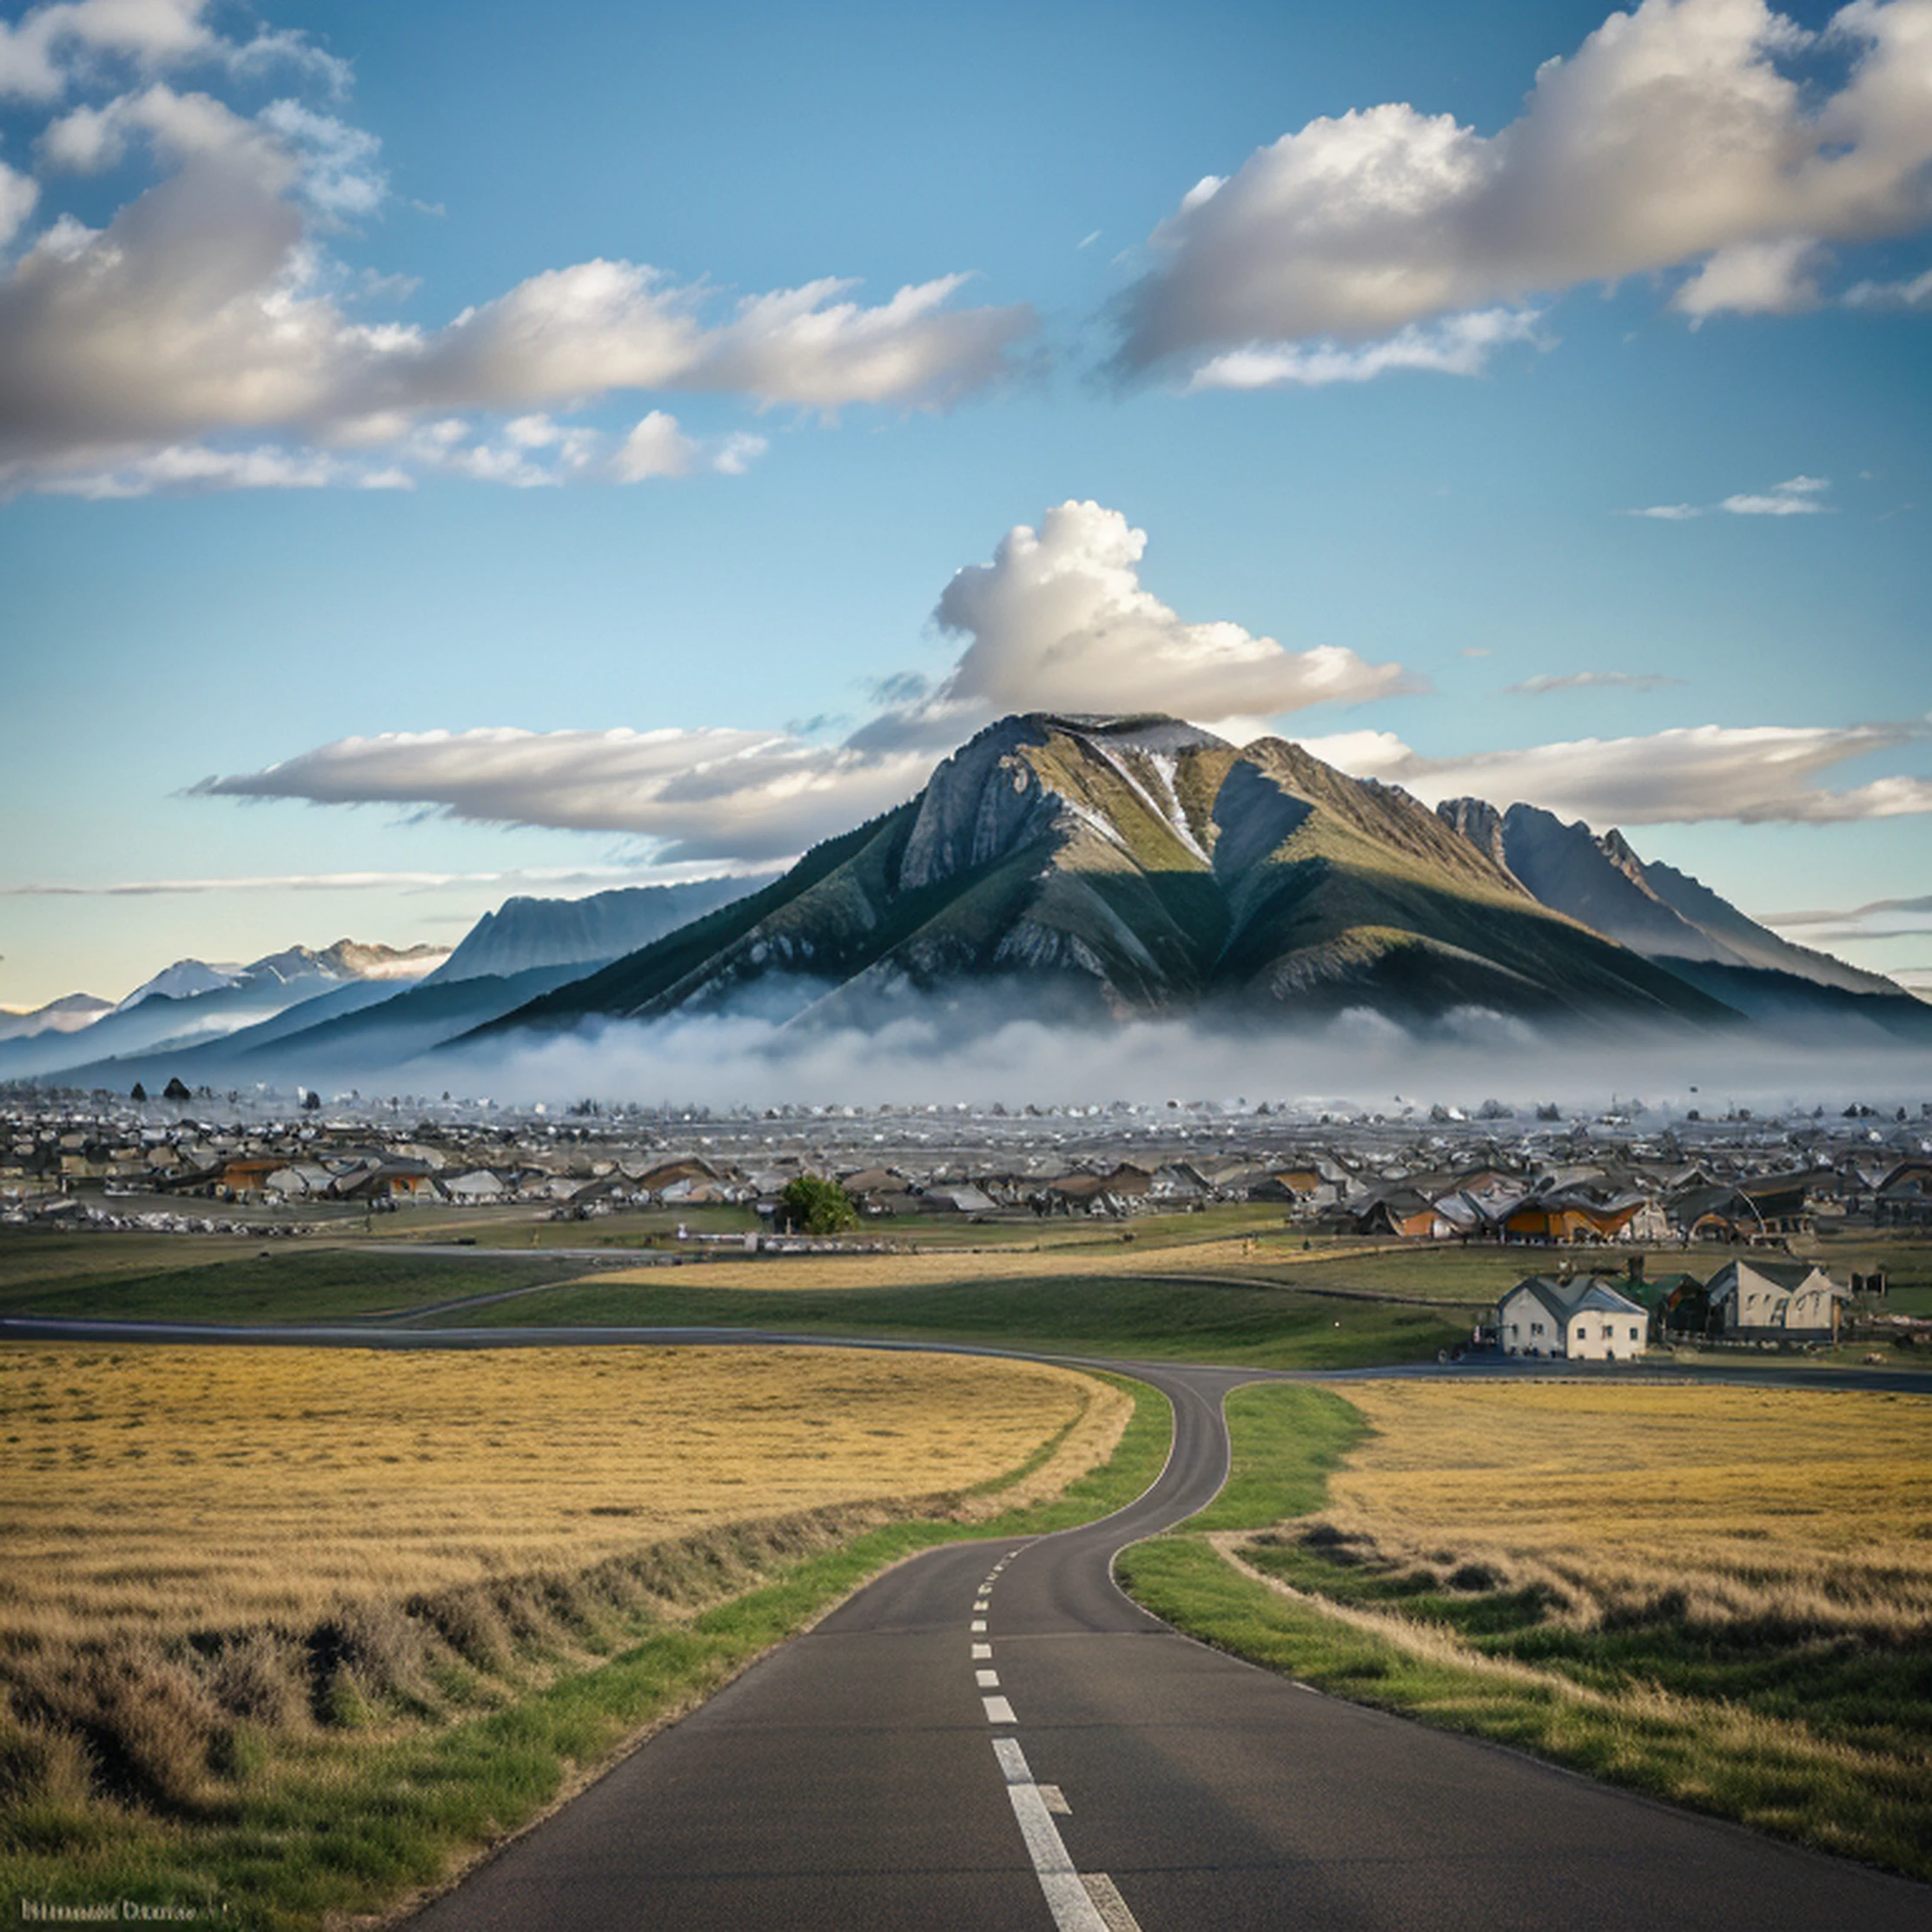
(1641, 1230)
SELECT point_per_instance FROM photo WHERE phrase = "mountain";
(185, 979)
(525, 933)
(192, 1003)
(1120, 867)
(1677, 921)
(370, 1042)
(67, 1015)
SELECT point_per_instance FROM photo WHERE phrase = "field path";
(993, 1737)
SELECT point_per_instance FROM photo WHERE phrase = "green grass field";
(87, 1275)
(1123, 1317)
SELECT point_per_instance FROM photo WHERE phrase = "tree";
(176, 1090)
(816, 1207)
(312, 1102)
(138, 1093)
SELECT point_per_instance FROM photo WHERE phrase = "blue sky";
(346, 408)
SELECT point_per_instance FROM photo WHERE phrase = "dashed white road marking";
(998, 1711)
(1105, 1895)
(1068, 1899)
(983, 1604)
(978, 1626)
(981, 1649)
(988, 1680)
(1056, 1801)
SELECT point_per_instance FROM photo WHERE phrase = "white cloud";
(1916, 292)
(51, 48)
(1755, 774)
(192, 468)
(1458, 345)
(18, 195)
(1680, 135)
(206, 312)
(1058, 621)
(339, 178)
(713, 794)
(1546, 682)
(589, 878)
(657, 446)
(1798, 496)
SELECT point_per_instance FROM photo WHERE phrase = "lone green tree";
(176, 1090)
(138, 1091)
(812, 1205)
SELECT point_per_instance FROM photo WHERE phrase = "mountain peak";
(1121, 866)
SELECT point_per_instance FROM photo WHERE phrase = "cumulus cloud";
(1797, 496)
(1542, 685)
(18, 195)
(208, 312)
(1760, 774)
(51, 48)
(1058, 621)
(1682, 135)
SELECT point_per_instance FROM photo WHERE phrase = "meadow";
(290, 1631)
(1114, 1315)
(219, 1279)
(1722, 1597)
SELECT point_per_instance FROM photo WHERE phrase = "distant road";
(993, 1739)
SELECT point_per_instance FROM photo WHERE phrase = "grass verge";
(371, 1807)
(1822, 1739)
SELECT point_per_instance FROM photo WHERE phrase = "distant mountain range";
(1077, 869)
(349, 1011)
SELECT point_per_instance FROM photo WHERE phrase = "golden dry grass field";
(1719, 1596)
(1812, 1508)
(941, 1267)
(169, 1489)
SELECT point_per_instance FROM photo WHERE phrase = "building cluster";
(1606, 1181)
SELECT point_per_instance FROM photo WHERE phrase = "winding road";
(992, 1736)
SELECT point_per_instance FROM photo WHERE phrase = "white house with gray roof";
(1584, 1320)
(1774, 1301)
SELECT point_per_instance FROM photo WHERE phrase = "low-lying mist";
(1360, 1062)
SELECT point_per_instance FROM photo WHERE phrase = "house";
(1403, 1212)
(472, 1189)
(1774, 1301)
(1590, 1319)
(955, 1198)
(1904, 1196)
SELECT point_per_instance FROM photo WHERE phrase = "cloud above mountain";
(1059, 620)
(1714, 143)
(1763, 774)
(208, 309)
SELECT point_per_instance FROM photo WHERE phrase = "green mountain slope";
(1128, 867)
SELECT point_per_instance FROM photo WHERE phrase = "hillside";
(1125, 867)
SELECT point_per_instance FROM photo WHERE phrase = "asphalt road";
(992, 1736)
